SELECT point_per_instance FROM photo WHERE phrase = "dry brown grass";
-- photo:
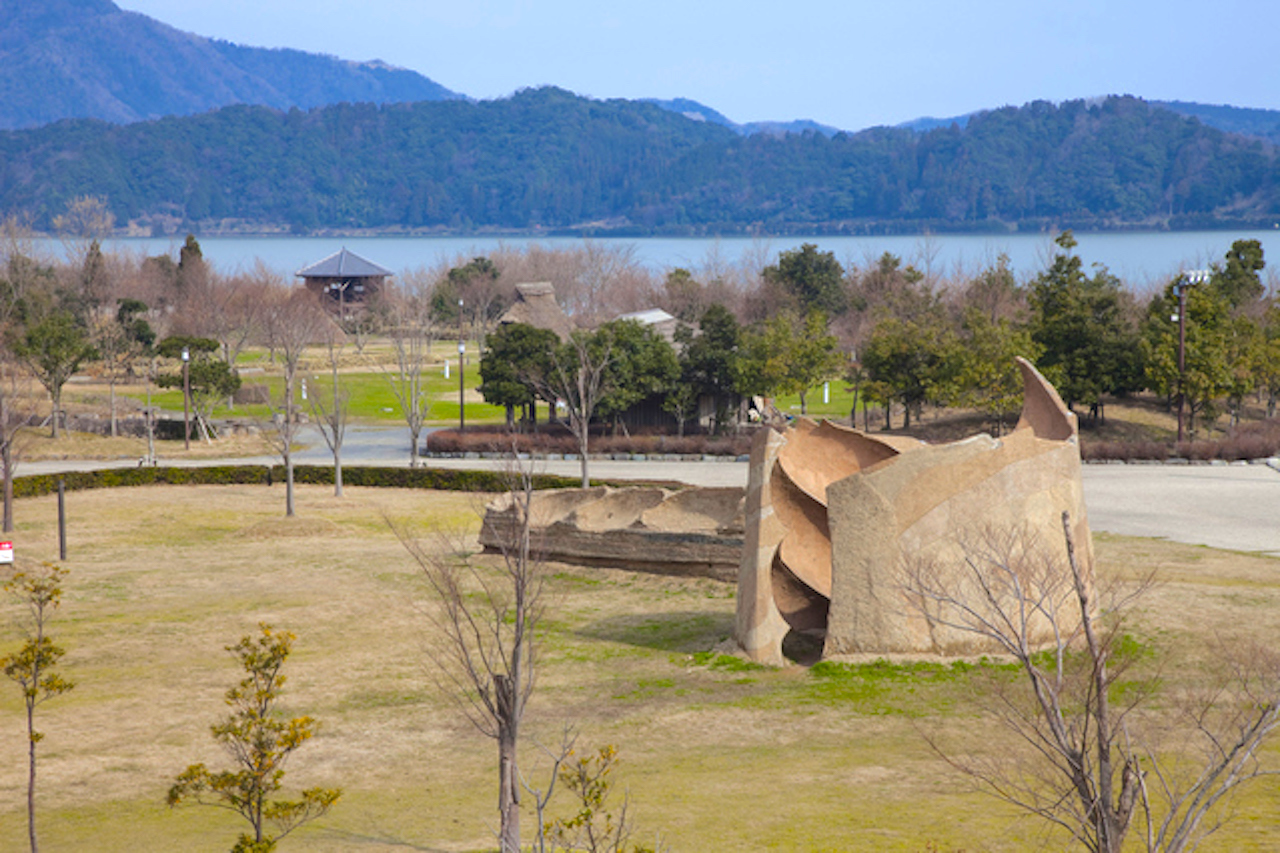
(162, 578)
(36, 445)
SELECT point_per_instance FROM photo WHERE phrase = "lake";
(1140, 259)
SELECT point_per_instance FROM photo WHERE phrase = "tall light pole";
(1188, 279)
(462, 370)
(186, 398)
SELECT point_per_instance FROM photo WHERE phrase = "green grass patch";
(370, 396)
(727, 663)
(880, 688)
(669, 632)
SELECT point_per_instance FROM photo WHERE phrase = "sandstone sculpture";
(684, 532)
(832, 514)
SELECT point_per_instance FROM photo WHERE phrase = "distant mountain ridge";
(64, 59)
(1246, 121)
(90, 59)
(548, 161)
(691, 109)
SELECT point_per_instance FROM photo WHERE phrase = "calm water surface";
(1140, 259)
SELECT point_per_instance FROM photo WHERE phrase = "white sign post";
(6, 552)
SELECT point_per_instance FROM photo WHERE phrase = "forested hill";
(1264, 124)
(546, 158)
(90, 59)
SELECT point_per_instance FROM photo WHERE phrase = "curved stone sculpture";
(685, 532)
(831, 513)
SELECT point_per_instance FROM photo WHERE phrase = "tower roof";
(343, 264)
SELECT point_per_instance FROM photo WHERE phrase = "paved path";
(1230, 506)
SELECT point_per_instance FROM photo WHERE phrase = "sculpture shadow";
(685, 631)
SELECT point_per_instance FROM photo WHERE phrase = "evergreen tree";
(1090, 346)
(516, 358)
(815, 280)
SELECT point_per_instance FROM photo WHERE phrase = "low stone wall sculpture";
(832, 514)
(694, 532)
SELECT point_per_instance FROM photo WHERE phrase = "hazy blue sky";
(850, 64)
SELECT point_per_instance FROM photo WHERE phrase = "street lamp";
(462, 369)
(186, 397)
(1187, 279)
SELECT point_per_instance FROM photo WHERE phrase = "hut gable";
(536, 306)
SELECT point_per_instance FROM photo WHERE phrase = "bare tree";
(487, 621)
(542, 797)
(87, 217)
(331, 417)
(14, 392)
(411, 333)
(16, 272)
(229, 310)
(365, 320)
(577, 377)
(1088, 772)
(120, 338)
(292, 321)
(87, 221)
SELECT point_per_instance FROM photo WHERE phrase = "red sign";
(6, 552)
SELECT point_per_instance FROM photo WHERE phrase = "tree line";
(902, 339)
(548, 159)
(900, 334)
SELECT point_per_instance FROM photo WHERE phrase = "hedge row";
(225, 475)
(112, 478)
(418, 478)
(498, 439)
(1252, 440)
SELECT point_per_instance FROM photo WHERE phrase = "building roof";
(343, 264)
(650, 317)
(658, 320)
(536, 306)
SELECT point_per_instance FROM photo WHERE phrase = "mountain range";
(550, 160)
(90, 59)
(178, 132)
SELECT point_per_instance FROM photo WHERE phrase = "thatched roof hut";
(536, 306)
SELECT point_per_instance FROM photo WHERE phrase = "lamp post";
(462, 369)
(1188, 279)
(186, 398)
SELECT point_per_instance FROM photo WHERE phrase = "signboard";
(6, 552)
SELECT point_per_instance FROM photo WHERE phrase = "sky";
(850, 64)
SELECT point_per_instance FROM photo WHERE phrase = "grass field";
(717, 755)
(363, 376)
